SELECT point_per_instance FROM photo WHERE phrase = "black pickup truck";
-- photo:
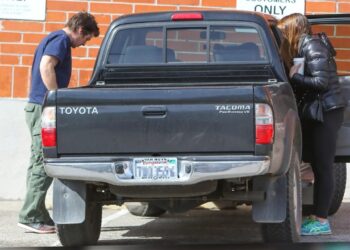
(182, 108)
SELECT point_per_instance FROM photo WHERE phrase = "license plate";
(157, 169)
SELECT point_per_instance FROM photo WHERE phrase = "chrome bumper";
(191, 170)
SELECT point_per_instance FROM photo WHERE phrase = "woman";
(319, 138)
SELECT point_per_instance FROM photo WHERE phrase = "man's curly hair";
(86, 21)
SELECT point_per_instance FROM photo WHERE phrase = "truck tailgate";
(155, 120)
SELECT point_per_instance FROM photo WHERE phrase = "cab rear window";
(209, 44)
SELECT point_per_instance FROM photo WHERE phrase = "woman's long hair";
(293, 27)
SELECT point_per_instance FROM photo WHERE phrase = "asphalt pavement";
(204, 226)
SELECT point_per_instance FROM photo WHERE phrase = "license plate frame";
(157, 169)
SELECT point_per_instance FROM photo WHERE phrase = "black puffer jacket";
(320, 74)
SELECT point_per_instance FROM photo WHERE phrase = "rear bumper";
(191, 169)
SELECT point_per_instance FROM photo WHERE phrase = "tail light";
(48, 127)
(264, 129)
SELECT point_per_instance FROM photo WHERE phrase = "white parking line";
(104, 222)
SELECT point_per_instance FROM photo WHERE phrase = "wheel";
(144, 209)
(339, 170)
(86, 233)
(339, 186)
(289, 230)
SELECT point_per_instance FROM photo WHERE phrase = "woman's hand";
(294, 69)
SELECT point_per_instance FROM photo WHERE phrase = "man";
(51, 69)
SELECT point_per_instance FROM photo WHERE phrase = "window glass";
(235, 43)
(137, 46)
(187, 45)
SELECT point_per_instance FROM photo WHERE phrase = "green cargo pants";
(34, 210)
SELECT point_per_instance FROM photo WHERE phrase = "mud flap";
(273, 208)
(69, 201)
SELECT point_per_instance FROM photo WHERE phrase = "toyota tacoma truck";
(182, 108)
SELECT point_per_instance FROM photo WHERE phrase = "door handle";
(154, 111)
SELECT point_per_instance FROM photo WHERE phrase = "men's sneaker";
(39, 228)
(316, 227)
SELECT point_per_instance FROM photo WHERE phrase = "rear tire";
(144, 209)
(289, 230)
(86, 233)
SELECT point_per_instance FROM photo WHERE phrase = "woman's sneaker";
(315, 227)
(308, 220)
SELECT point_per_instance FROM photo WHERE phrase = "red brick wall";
(18, 39)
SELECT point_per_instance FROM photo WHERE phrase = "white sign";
(276, 8)
(23, 9)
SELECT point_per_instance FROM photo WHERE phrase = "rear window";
(210, 44)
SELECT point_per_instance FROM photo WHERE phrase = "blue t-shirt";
(56, 44)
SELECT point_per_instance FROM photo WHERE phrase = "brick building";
(18, 39)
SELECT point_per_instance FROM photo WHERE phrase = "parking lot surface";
(203, 226)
